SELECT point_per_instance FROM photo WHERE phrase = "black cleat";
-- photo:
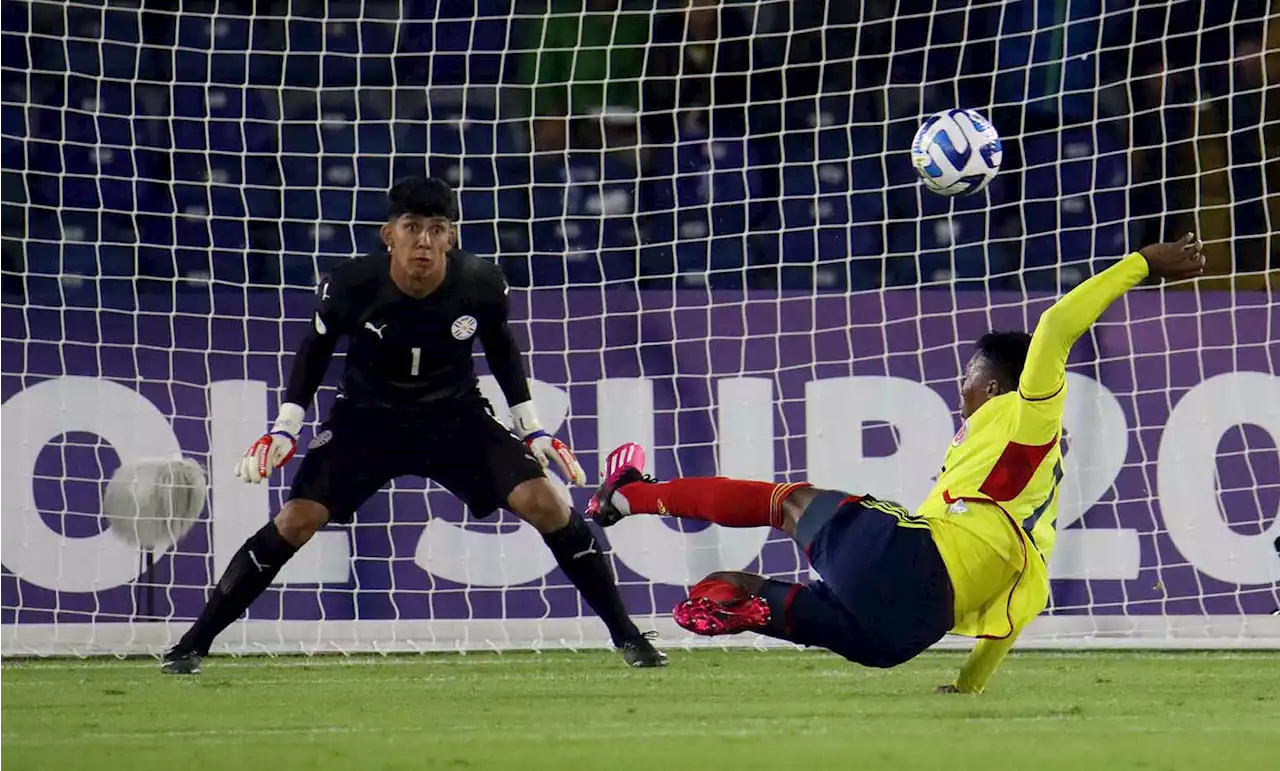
(624, 466)
(639, 652)
(178, 662)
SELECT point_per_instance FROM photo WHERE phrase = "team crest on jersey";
(320, 439)
(464, 327)
(958, 439)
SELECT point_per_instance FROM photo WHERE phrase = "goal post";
(759, 290)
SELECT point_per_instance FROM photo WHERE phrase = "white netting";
(723, 254)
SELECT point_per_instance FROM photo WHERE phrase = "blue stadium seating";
(232, 153)
(13, 36)
(363, 49)
(228, 34)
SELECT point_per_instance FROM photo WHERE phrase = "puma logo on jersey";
(324, 292)
(589, 550)
(376, 330)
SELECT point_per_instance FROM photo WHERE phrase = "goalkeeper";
(409, 404)
(971, 560)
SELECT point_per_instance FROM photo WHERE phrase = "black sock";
(249, 574)
(582, 561)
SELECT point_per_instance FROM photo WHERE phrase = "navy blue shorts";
(884, 596)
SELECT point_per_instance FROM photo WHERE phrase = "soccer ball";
(956, 152)
(154, 502)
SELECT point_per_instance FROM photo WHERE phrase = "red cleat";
(719, 607)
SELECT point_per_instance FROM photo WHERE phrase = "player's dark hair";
(423, 196)
(1007, 353)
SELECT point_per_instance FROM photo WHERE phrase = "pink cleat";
(718, 607)
(622, 467)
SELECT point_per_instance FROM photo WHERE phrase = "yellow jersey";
(993, 510)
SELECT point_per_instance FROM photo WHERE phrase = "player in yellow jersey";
(972, 560)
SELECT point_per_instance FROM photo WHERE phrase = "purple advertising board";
(1178, 412)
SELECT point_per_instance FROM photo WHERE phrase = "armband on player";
(544, 447)
(274, 448)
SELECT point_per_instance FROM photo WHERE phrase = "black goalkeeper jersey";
(405, 352)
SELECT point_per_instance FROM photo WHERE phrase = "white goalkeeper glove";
(274, 448)
(544, 447)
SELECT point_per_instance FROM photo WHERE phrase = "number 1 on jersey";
(417, 359)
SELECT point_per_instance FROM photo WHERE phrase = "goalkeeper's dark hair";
(1007, 353)
(423, 196)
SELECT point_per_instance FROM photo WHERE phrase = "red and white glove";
(274, 448)
(544, 447)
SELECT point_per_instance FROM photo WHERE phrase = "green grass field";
(710, 710)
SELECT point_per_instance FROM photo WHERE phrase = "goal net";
(724, 255)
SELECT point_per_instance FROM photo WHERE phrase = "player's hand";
(1180, 259)
(269, 453)
(274, 448)
(547, 449)
(544, 447)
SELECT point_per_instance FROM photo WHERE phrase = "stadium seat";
(480, 172)
(228, 266)
(301, 204)
(337, 171)
(334, 238)
(265, 68)
(117, 260)
(83, 56)
(477, 205)
(13, 22)
(370, 44)
(370, 205)
(194, 40)
(718, 263)
(228, 200)
(795, 245)
(115, 132)
(181, 199)
(479, 237)
(230, 34)
(193, 269)
(298, 237)
(120, 61)
(822, 111)
(336, 205)
(441, 138)
(299, 169)
(479, 139)
(583, 268)
(227, 233)
(373, 156)
(298, 268)
(301, 138)
(191, 227)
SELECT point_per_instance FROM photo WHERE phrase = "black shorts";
(460, 445)
(884, 596)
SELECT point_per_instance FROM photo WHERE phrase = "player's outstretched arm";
(274, 448)
(502, 353)
(1071, 317)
